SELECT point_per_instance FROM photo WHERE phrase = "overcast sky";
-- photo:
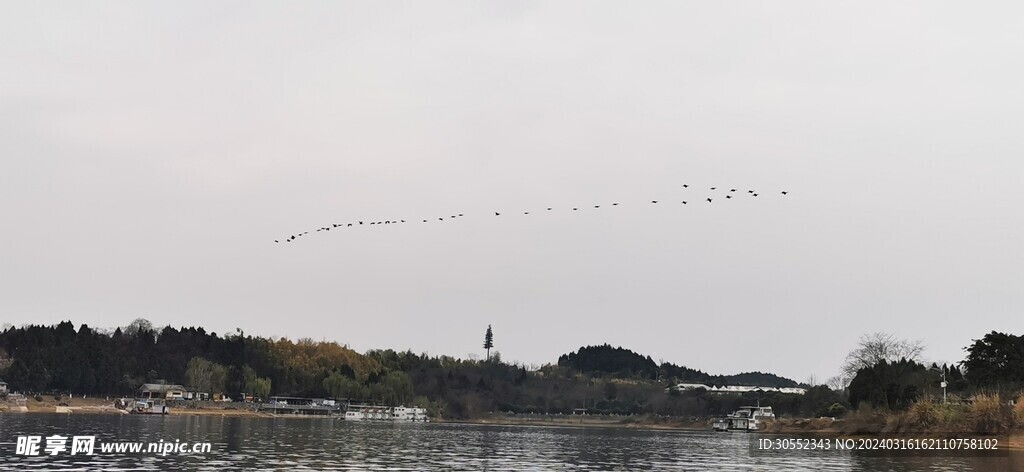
(150, 153)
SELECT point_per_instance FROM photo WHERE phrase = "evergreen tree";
(488, 341)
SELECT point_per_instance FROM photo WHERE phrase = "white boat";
(148, 407)
(747, 418)
(385, 413)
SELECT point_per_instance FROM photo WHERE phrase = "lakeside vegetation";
(883, 394)
(601, 379)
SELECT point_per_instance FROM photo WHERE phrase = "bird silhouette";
(685, 186)
(750, 191)
(785, 192)
(574, 209)
(424, 221)
(597, 206)
(709, 200)
(732, 190)
(460, 214)
(615, 204)
(526, 213)
(712, 188)
(684, 202)
(276, 241)
(549, 208)
(360, 222)
(440, 219)
(497, 214)
(654, 201)
(728, 196)
(755, 194)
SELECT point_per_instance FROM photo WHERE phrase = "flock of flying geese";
(728, 195)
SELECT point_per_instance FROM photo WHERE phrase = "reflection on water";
(322, 444)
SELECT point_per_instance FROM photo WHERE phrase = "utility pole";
(943, 384)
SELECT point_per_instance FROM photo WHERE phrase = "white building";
(740, 388)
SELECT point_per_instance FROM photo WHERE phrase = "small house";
(164, 391)
(196, 395)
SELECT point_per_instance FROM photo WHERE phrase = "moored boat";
(747, 418)
(148, 407)
(385, 413)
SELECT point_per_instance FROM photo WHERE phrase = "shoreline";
(792, 427)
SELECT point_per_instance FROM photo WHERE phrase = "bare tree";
(877, 347)
(140, 324)
(837, 382)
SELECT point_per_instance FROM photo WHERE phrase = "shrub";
(836, 410)
(923, 414)
(986, 414)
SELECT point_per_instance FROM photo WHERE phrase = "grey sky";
(151, 152)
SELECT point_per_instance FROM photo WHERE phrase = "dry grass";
(923, 414)
(988, 414)
(1018, 408)
(983, 413)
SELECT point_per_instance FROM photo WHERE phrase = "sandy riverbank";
(104, 406)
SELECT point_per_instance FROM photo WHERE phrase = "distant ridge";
(617, 362)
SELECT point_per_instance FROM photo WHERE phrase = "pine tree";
(489, 341)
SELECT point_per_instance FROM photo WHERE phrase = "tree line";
(600, 379)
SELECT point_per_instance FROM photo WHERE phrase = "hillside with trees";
(602, 379)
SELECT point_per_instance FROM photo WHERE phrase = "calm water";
(324, 444)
